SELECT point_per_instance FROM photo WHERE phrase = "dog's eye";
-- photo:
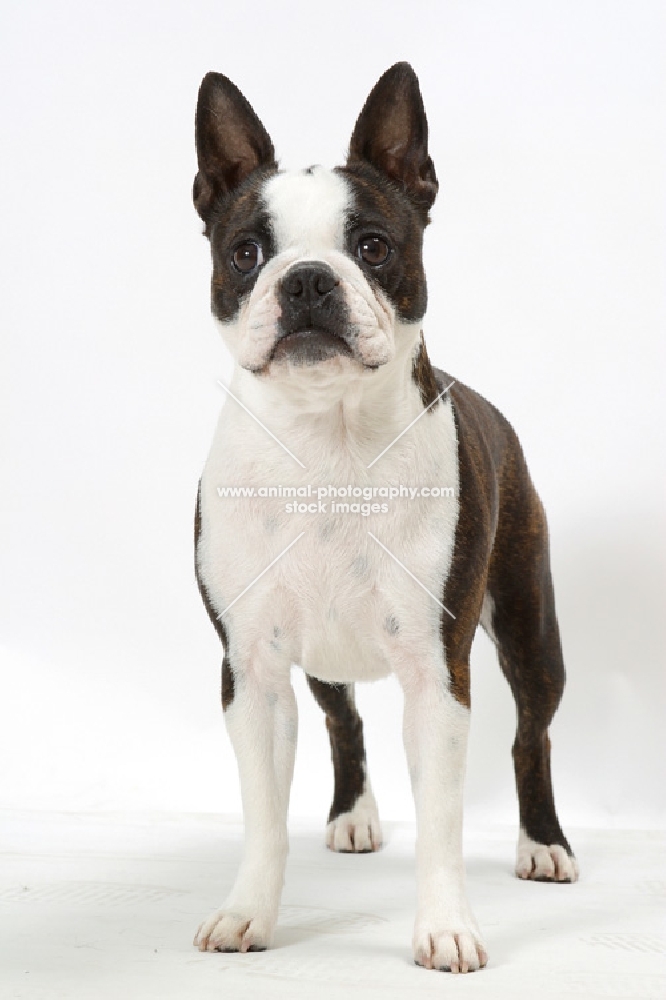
(373, 250)
(247, 257)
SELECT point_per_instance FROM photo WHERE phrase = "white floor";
(106, 906)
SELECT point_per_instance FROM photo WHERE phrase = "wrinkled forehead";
(308, 209)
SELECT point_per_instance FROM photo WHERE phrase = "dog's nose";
(309, 282)
(311, 299)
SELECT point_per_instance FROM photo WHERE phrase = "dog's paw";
(357, 831)
(457, 948)
(229, 930)
(543, 862)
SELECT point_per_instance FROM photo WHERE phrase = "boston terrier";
(319, 291)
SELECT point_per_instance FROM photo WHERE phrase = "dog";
(319, 290)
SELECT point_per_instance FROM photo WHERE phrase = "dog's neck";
(363, 407)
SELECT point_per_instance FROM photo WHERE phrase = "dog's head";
(316, 267)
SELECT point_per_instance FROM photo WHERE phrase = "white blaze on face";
(308, 211)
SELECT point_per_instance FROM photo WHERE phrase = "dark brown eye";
(247, 257)
(373, 250)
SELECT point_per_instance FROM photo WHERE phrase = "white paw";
(356, 831)
(544, 863)
(451, 946)
(229, 930)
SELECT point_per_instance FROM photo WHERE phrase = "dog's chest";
(356, 575)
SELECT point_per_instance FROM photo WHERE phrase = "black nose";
(309, 282)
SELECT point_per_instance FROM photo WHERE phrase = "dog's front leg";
(262, 724)
(435, 731)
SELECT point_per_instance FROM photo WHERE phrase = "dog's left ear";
(392, 134)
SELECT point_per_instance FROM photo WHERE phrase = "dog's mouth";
(309, 347)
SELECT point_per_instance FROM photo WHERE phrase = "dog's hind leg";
(519, 616)
(353, 820)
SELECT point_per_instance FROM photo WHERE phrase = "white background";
(546, 274)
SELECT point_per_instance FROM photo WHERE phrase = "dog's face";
(315, 267)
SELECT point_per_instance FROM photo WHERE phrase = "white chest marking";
(342, 607)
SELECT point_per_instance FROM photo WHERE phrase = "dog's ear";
(231, 142)
(392, 134)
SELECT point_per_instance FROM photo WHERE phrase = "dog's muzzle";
(314, 323)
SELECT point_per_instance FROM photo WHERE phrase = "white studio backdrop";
(546, 275)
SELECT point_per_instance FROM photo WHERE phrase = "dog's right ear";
(231, 143)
